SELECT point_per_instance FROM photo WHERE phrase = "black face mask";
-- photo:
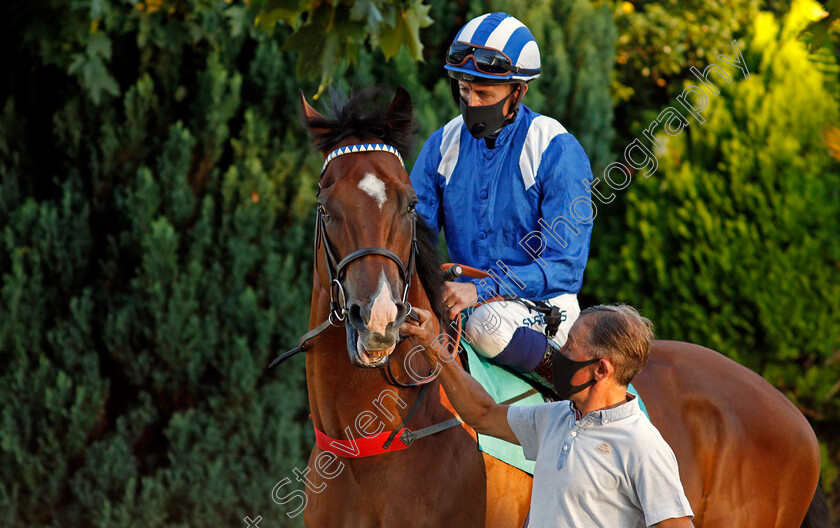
(483, 121)
(563, 370)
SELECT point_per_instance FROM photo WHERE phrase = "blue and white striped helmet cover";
(505, 33)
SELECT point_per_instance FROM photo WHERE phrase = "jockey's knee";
(492, 325)
(489, 329)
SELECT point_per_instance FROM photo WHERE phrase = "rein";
(551, 314)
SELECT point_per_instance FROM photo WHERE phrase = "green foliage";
(155, 220)
(733, 243)
(154, 230)
(660, 40)
(325, 33)
(820, 28)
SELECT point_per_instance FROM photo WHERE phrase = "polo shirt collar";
(605, 416)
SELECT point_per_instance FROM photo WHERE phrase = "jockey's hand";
(422, 332)
(459, 296)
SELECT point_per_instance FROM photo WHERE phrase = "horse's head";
(366, 223)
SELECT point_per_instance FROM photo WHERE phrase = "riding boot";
(542, 373)
(529, 354)
(543, 370)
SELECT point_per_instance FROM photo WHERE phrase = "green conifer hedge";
(154, 226)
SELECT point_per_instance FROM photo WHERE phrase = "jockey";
(510, 188)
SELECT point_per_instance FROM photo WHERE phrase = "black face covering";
(483, 121)
(562, 371)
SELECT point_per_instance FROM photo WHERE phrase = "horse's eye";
(412, 206)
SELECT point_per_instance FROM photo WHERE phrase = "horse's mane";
(365, 114)
(428, 264)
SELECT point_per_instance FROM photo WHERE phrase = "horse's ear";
(400, 111)
(310, 118)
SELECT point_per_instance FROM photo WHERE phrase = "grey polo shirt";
(610, 469)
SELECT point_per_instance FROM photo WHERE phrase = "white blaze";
(374, 187)
(383, 310)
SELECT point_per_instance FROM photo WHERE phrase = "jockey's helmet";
(494, 48)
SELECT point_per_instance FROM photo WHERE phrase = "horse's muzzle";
(368, 348)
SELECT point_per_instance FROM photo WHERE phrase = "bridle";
(335, 272)
(335, 267)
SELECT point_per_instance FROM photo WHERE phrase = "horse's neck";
(342, 395)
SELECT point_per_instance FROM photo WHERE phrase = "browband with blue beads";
(367, 147)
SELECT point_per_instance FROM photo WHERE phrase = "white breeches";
(491, 325)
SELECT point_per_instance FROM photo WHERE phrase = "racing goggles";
(489, 61)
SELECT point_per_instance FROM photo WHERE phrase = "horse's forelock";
(366, 114)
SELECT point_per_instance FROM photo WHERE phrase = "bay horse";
(747, 457)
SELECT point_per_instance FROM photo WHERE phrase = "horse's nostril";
(358, 316)
(402, 311)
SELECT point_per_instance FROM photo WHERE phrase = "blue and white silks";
(521, 211)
